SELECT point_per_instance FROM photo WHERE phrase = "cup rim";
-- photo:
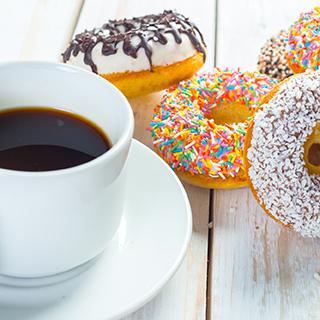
(110, 154)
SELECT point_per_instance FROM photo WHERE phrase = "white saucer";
(149, 247)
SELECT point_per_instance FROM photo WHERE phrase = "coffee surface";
(45, 139)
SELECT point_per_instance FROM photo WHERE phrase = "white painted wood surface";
(259, 269)
(185, 295)
(36, 29)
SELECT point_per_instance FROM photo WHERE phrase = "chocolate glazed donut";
(148, 28)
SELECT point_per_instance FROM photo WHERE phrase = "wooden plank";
(185, 295)
(260, 269)
(36, 29)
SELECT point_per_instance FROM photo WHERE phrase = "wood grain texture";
(260, 270)
(184, 297)
(36, 29)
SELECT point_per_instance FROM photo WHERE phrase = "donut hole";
(314, 154)
(229, 113)
(312, 151)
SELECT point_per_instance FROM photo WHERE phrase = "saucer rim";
(137, 298)
(137, 304)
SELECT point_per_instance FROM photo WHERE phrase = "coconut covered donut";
(303, 50)
(282, 153)
(140, 55)
(200, 125)
(272, 59)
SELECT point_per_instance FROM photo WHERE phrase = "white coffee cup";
(54, 221)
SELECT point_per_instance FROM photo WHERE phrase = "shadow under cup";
(54, 221)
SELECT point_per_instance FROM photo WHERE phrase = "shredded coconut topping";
(277, 169)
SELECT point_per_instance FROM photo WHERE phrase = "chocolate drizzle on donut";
(136, 34)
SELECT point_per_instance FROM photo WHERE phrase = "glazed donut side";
(133, 84)
(204, 182)
(296, 68)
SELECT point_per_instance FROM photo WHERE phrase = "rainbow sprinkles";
(188, 140)
(303, 51)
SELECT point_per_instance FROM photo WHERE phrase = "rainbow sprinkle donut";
(200, 126)
(303, 50)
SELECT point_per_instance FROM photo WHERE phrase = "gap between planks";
(36, 45)
(209, 255)
(76, 20)
(211, 198)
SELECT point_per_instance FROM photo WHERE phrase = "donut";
(140, 55)
(303, 50)
(272, 59)
(200, 125)
(282, 154)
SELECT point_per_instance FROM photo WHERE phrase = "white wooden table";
(240, 264)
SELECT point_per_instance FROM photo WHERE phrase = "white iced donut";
(140, 55)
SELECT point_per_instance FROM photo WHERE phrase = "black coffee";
(44, 139)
